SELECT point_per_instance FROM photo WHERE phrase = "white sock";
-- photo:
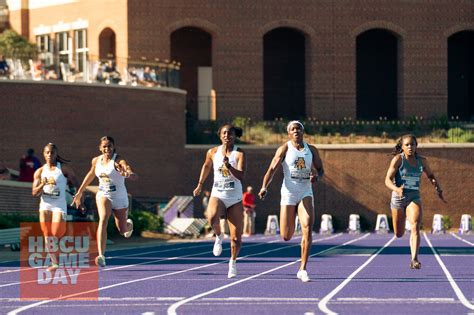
(220, 236)
(232, 261)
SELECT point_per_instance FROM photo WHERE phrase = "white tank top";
(223, 179)
(111, 183)
(297, 168)
(54, 192)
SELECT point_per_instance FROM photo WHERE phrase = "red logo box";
(57, 261)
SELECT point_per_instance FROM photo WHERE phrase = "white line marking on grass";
(323, 303)
(453, 284)
(27, 307)
(173, 308)
(461, 239)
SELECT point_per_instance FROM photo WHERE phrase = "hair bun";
(238, 132)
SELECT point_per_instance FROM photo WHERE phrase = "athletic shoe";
(303, 275)
(232, 270)
(100, 261)
(217, 250)
(53, 267)
(130, 229)
(415, 264)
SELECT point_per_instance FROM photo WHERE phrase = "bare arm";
(432, 178)
(274, 165)
(317, 170)
(392, 170)
(38, 184)
(71, 176)
(87, 180)
(125, 170)
(206, 168)
(239, 171)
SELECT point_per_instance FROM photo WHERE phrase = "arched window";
(192, 47)
(377, 74)
(461, 75)
(284, 74)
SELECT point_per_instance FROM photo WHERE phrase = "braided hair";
(54, 147)
(398, 147)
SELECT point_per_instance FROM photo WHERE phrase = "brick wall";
(331, 28)
(354, 181)
(143, 29)
(147, 125)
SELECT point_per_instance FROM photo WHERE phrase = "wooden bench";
(11, 237)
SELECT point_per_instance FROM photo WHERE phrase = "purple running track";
(162, 276)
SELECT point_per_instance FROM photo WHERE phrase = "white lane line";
(453, 284)
(27, 307)
(131, 255)
(137, 264)
(323, 303)
(173, 308)
(461, 239)
(399, 300)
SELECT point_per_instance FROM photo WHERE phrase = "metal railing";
(46, 66)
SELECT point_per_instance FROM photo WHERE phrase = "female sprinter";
(50, 181)
(301, 167)
(228, 162)
(111, 170)
(403, 178)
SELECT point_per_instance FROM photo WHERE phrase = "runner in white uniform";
(301, 167)
(228, 163)
(111, 170)
(49, 182)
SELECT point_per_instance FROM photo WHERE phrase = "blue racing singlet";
(409, 175)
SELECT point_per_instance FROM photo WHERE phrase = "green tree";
(13, 45)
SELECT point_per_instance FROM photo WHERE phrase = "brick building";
(276, 58)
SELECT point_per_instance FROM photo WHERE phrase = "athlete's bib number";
(225, 185)
(51, 192)
(411, 182)
(107, 188)
(300, 175)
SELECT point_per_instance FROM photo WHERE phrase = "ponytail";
(398, 147)
(54, 147)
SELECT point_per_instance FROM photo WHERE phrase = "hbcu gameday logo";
(58, 266)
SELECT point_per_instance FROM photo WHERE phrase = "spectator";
(4, 172)
(111, 73)
(248, 200)
(4, 68)
(29, 163)
(51, 74)
(37, 71)
(147, 77)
